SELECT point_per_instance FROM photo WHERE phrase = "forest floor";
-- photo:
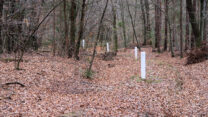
(55, 86)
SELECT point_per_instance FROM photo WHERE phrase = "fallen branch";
(13, 83)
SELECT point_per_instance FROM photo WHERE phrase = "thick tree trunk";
(144, 22)
(147, 19)
(203, 18)
(187, 41)
(66, 43)
(54, 30)
(158, 25)
(115, 29)
(73, 28)
(81, 30)
(166, 26)
(194, 23)
(205, 21)
(1, 10)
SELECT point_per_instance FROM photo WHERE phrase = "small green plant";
(88, 73)
(133, 77)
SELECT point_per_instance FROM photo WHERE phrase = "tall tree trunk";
(98, 35)
(134, 19)
(81, 30)
(203, 18)
(194, 23)
(123, 23)
(144, 22)
(10, 38)
(205, 21)
(166, 26)
(66, 44)
(181, 28)
(1, 10)
(73, 28)
(54, 30)
(115, 29)
(187, 41)
(171, 40)
(157, 24)
(147, 19)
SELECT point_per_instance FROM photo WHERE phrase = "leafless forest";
(74, 58)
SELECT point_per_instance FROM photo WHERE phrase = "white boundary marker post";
(83, 44)
(136, 53)
(143, 65)
(108, 49)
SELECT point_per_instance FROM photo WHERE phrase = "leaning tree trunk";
(133, 26)
(97, 38)
(73, 28)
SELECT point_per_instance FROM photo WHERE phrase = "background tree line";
(59, 26)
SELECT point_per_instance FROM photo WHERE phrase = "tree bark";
(144, 22)
(166, 26)
(181, 28)
(66, 44)
(1, 10)
(73, 28)
(187, 41)
(123, 23)
(147, 19)
(54, 30)
(157, 24)
(81, 30)
(194, 23)
(115, 29)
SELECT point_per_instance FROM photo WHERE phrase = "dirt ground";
(55, 86)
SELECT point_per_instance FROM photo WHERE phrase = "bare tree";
(98, 34)
(133, 26)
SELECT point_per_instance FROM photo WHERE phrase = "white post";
(136, 53)
(143, 65)
(83, 43)
(108, 49)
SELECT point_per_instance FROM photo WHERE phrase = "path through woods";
(55, 87)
